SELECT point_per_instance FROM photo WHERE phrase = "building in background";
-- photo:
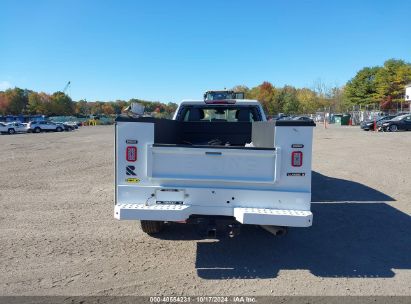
(408, 95)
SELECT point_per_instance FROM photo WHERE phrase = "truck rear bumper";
(254, 216)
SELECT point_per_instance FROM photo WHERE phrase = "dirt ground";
(58, 235)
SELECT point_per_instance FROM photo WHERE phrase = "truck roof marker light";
(131, 154)
(222, 101)
(297, 159)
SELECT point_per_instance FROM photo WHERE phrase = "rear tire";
(152, 227)
(59, 129)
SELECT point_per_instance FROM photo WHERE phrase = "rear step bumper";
(276, 217)
(254, 216)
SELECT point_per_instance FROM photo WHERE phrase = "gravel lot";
(58, 235)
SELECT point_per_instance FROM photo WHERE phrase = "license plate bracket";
(169, 196)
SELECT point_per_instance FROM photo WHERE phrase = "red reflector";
(297, 159)
(131, 154)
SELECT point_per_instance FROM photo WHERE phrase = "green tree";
(391, 80)
(171, 108)
(336, 99)
(308, 100)
(34, 104)
(39, 103)
(290, 103)
(378, 84)
(253, 93)
(61, 104)
(362, 89)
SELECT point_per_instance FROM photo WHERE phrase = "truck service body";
(216, 158)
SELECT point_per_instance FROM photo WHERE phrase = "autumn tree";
(95, 108)
(308, 100)
(14, 101)
(266, 94)
(391, 79)
(118, 106)
(379, 84)
(107, 108)
(4, 102)
(39, 103)
(241, 89)
(61, 104)
(81, 107)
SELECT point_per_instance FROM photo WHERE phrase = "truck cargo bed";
(256, 172)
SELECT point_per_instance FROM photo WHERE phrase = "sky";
(173, 50)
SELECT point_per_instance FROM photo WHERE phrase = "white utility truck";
(217, 160)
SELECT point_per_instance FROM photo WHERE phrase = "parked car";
(281, 116)
(367, 125)
(73, 124)
(402, 122)
(39, 126)
(383, 120)
(301, 118)
(284, 117)
(402, 113)
(65, 126)
(13, 127)
(4, 128)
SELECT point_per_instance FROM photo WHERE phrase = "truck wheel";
(152, 227)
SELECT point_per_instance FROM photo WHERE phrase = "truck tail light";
(297, 159)
(131, 154)
(223, 101)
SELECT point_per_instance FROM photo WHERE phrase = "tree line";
(19, 101)
(291, 100)
(383, 86)
(380, 86)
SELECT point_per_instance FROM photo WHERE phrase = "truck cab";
(216, 159)
(228, 110)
